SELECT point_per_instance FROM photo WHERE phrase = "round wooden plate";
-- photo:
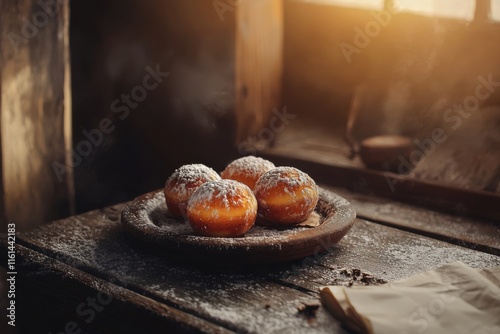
(147, 218)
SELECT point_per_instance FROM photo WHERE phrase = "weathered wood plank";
(3, 229)
(244, 299)
(464, 231)
(385, 252)
(89, 303)
(35, 111)
(470, 156)
(258, 63)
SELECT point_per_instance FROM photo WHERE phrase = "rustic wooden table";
(85, 275)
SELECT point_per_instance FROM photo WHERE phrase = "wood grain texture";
(483, 235)
(246, 299)
(68, 112)
(3, 229)
(470, 156)
(67, 288)
(34, 112)
(258, 64)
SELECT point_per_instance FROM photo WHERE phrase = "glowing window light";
(459, 9)
(495, 10)
(366, 4)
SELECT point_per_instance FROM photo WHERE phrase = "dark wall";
(187, 118)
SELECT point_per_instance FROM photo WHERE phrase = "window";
(459, 9)
(367, 4)
(495, 10)
(455, 9)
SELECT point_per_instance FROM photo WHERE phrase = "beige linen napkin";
(452, 299)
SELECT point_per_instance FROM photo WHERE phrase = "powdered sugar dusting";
(143, 219)
(232, 194)
(186, 179)
(289, 178)
(154, 211)
(249, 165)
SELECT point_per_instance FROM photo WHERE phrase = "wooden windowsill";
(327, 162)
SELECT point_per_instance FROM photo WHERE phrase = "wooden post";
(35, 111)
(482, 12)
(3, 219)
(259, 63)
